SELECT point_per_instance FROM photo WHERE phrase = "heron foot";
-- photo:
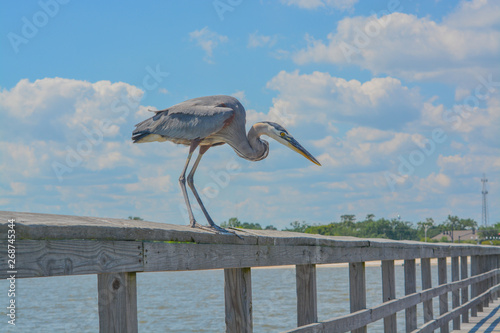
(214, 228)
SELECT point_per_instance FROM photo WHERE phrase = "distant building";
(457, 235)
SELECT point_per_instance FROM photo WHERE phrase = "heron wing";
(185, 122)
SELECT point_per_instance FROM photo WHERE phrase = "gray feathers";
(196, 118)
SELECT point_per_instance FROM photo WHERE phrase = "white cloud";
(475, 14)
(255, 40)
(314, 4)
(366, 149)
(52, 107)
(207, 40)
(406, 46)
(322, 98)
(472, 123)
(436, 183)
(469, 164)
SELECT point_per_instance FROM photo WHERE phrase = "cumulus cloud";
(322, 98)
(469, 163)
(208, 40)
(52, 108)
(406, 46)
(366, 149)
(71, 126)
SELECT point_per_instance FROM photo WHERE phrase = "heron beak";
(294, 145)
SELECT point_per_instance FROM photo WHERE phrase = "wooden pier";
(117, 249)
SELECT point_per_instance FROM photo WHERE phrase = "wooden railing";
(115, 250)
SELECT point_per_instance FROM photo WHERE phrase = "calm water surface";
(189, 301)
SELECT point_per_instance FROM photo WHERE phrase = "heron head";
(280, 134)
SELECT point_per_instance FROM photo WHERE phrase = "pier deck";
(486, 321)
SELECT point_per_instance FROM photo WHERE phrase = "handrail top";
(37, 226)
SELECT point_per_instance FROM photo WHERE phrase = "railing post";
(491, 281)
(474, 270)
(425, 267)
(238, 299)
(443, 299)
(465, 290)
(389, 293)
(410, 288)
(117, 302)
(480, 285)
(495, 277)
(357, 289)
(455, 295)
(307, 308)
(485, 285)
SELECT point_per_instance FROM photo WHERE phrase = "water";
(191, 301)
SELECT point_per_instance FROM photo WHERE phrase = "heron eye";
(282, 133)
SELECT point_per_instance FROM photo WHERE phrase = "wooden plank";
(389, 293)
(307, 302)
(455, 295)
(465, 290)
(425, 267)
(410, 288)
(71, 257)
(37, 258)
(357, 289)
(49, 226)
(238, 300)
(443, 299)
(117, 302)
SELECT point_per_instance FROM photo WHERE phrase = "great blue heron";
(211, 121)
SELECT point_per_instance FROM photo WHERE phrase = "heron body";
(211, 121)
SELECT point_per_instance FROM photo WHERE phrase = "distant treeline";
(378, 228)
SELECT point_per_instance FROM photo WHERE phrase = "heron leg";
(182, 182)
(190, 180)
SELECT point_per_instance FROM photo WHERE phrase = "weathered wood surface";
(389, 293)
(465, 291)
(36, 226)
(486, 321)
(363, 317)
(443, 299)
(238, 300)
(474, 289)
(307, 299)
(455, 295)
(117, 302)
(426, 273)
(48, 245)
(357, 289)
(410, 288)
(445, 318)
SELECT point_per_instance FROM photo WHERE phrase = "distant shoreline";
(345, 264)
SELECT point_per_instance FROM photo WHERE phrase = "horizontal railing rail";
(364, 317)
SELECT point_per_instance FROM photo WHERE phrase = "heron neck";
(257, 149)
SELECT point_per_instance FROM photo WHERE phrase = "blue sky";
(399, 101)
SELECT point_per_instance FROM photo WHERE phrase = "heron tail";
(138, 136)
